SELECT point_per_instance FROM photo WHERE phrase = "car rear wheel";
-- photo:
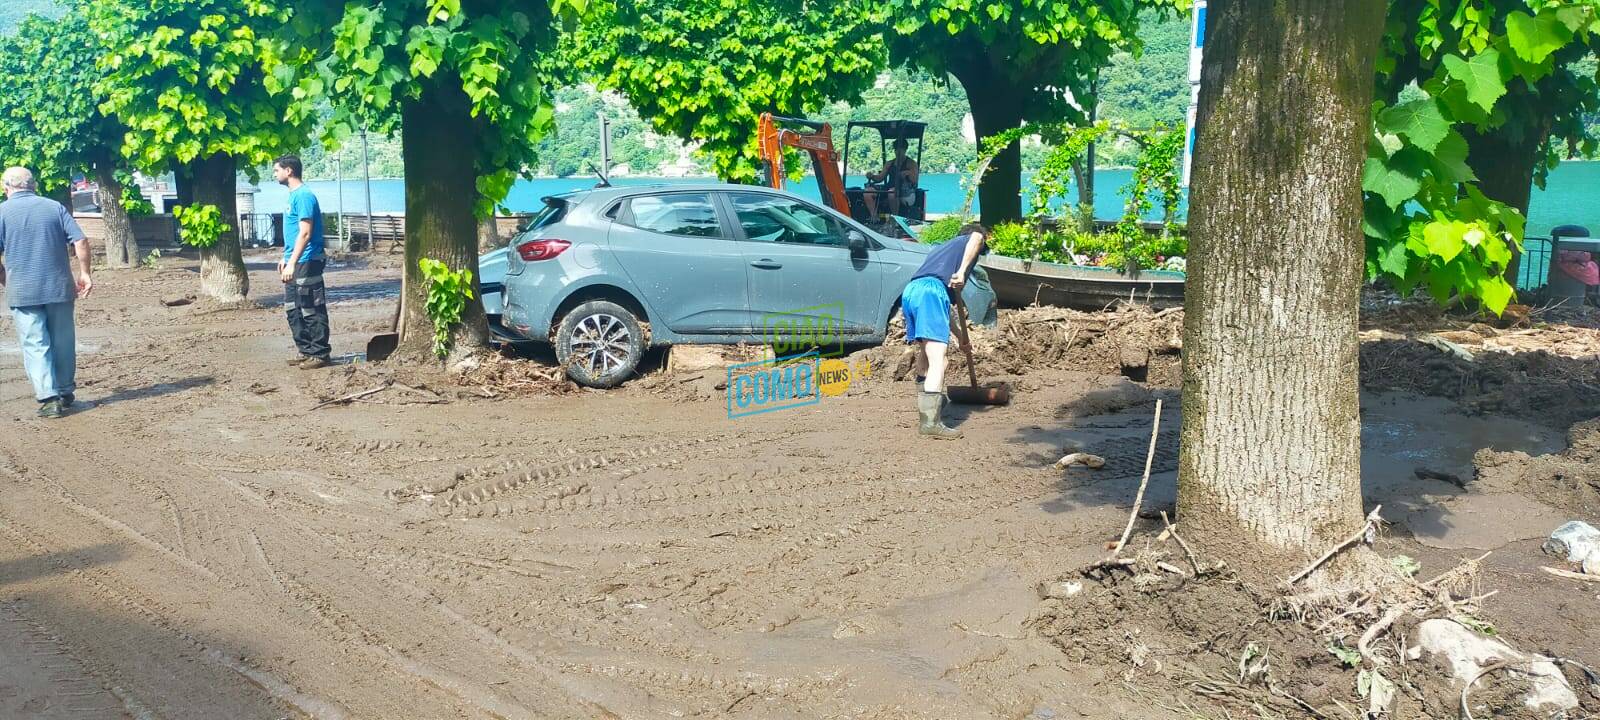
(599, 343)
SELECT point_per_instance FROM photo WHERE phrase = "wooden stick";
(1149, 459)
(1173, 530)
(1354, 538)
(352, 397)
(1570, 574)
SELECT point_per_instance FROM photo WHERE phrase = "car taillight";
(542, 249)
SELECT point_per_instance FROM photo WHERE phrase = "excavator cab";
(897, 191)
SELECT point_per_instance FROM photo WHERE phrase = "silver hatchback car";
(603, 274)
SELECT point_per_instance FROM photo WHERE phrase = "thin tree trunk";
(996, 107)
(222, 271)
(1504, 160)
(122, 250)
(1271, 443)
(1085, 209)
(488, 234)
(438, 135)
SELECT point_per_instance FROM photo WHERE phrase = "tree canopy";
(1477, 74)
(1019, 62)
(705, 70)
(187, 78)
(49, 115)
(372, 59)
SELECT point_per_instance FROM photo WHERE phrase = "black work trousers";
(306, 302)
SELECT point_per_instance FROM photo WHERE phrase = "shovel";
(381, 346)
(997, 394)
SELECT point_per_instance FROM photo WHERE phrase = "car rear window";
(685, 214)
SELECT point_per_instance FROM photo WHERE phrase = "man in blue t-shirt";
(304, 296)
(925, 302)
(41, 287)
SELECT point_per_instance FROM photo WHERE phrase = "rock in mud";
(1577, 541)
(1059, 590)
(1467, 653)
(1080, 458)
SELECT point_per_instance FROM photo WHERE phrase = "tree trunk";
(996, 107)
(182, 184)
(1085, 181)
(122, 251)
(222, 272)
(439, 145)
(1271, 441)
(488, 234)
(1504, 161)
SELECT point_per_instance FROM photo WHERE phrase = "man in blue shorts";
(925, 302)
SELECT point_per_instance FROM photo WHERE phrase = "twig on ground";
(1466, 711)
(1455, 570)
(1570, 574)
(1149, 459)
(353, 396)
(1373, 632)
(1173, 530)
(1366, 528)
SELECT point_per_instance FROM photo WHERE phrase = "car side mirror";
(856, 241)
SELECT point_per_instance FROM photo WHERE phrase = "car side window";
(774, 218)
(685, 214)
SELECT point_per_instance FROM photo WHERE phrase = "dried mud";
(197, 542)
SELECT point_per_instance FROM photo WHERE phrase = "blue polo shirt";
(945, 259)
(302, 206)
(34, 235)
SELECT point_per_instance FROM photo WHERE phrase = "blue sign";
(778, 384)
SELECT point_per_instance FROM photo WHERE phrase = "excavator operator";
(898, 179)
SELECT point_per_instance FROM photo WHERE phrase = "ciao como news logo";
(808, 343)
(777, 384)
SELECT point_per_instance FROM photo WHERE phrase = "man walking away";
(304, 296)
(40, 287)
(925, 302)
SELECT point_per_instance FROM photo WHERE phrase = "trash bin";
(1563, 285)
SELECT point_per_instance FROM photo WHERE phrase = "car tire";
(600, 344)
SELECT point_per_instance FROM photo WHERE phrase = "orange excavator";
(816, 140)
(774, 133)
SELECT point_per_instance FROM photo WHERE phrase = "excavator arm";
(817, 141)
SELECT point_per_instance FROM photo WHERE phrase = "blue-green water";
(1572, 195)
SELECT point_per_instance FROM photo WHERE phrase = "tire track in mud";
(83, 693)
(101, 583)
(475, 498)
(10, 467)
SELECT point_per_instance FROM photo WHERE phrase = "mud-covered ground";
(201, 543)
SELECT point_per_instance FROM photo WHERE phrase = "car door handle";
(766, 264)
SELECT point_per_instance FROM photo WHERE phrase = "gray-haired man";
(41, 287)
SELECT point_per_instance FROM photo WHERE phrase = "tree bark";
(1271, 442)
(222, 271)
(122, 250)
(996, 107)
(488, 235)
(440, 149)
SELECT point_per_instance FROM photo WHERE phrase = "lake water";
(1572, 195)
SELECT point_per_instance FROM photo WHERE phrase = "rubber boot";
(929, 407)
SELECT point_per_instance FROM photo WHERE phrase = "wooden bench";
(390, 228)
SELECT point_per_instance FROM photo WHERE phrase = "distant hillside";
(13, 11)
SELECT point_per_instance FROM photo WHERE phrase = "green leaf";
(1395, 184)
(1394, 259)
(1444, 239)
(1419, 120)
(1482, 76)
(1534, 38)
(1450, 160)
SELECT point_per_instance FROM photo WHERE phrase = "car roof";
(617, 191)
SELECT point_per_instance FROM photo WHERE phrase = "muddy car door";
(682, 257)
(800, 264)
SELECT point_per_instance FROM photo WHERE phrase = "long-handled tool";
(996, 394)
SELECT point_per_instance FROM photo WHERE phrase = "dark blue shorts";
(926, 305)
